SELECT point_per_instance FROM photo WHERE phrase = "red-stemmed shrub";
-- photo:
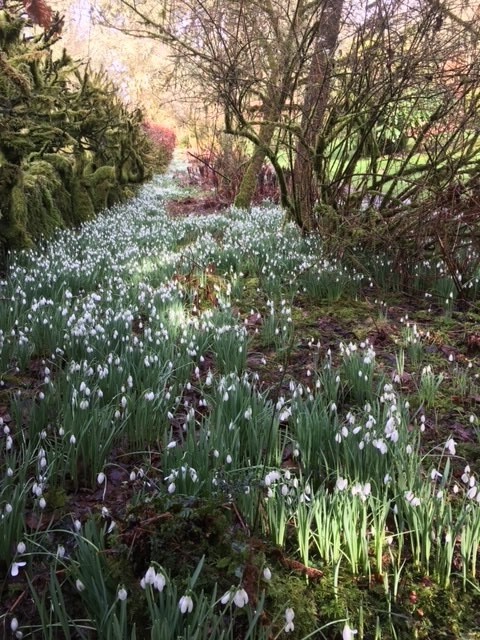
(162, 140)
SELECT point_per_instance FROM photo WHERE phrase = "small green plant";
(429, 386)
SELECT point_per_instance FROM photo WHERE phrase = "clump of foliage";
(162, 141)
(69, 146)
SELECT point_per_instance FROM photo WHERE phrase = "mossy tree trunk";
(247, 187)
(304, 186)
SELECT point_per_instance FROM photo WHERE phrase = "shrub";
(162, 141)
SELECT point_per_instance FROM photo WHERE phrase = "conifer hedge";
(69, 147)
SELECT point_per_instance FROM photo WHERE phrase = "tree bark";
(248, 184)
(305, 188)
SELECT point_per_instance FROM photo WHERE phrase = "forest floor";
(422, 346)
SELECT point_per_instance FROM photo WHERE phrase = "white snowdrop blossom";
(21, 547)
(15, 568)
(79, 585)
(267, 574)
(151, 577)
(466, 474)
(271, 477)
(348, 632)
(289, 616)
(122, 594)
(159, 582)
(412, 499)
(240, 598)
(472, 492)
(185, 604)
(361, 491)
(451, 446)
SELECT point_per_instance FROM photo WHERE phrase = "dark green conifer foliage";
(68, 146)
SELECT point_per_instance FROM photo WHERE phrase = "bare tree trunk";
(305, 190)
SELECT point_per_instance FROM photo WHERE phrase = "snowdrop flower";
(450, 445)
(240, 598)
(13, 625)
(289, 616)
(381, 445)
(193, 474)
(412, 499)
(159, 582)
(21, 547)
(101, 478)
(472, 492)
(79, 585)
(348, 632)
(341, 484)
(271, 477)
(185, 604)
(227, 596)
(15, 569)
(148, 578)
(122, 594)
(267, 574)
(171, 488)
(229, 459)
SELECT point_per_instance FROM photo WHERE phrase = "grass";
(209, 430)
